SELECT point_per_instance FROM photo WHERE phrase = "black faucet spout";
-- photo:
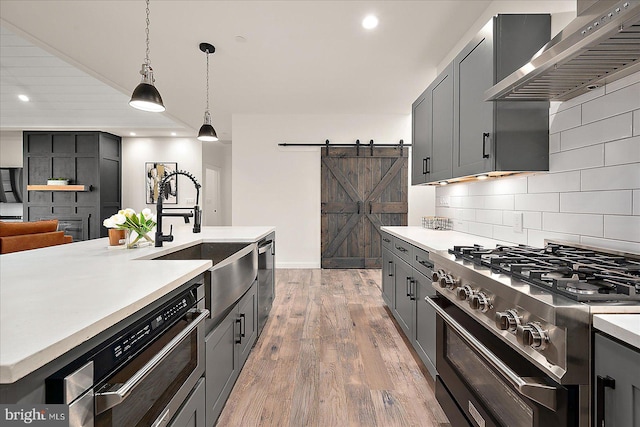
(197, 212)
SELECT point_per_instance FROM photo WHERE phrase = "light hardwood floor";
(330, 355)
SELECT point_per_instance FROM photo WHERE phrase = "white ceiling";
(79, 60)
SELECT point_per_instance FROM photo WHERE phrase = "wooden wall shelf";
(58, 188)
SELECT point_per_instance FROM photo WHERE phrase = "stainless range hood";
(600, 46)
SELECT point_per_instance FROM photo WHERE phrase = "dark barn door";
(362, 189)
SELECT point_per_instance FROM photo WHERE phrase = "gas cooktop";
(582, 274)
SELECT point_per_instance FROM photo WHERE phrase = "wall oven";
(142, 374)
(483, 382)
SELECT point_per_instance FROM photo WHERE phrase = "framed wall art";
(154, 173)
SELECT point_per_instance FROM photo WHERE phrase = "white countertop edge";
(13, 371)
(625, 327)
(438, 240)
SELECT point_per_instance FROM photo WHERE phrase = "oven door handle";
(108, 399)
(533, 388)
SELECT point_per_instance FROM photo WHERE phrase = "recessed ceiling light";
(240, 39)
(173, 134)
(132, 133)
(370, 22)
(23, 98)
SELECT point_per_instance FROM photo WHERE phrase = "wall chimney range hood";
(600, 46)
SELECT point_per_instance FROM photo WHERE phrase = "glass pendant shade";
(207, 132)
(145, 96)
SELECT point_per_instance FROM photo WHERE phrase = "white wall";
(187, 152)
(219, 155)
(591, 193)
(11, 149)
(280, 186)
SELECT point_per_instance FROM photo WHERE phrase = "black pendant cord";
(357, 144)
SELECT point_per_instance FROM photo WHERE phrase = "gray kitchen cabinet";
(192, 412)
(226, 351)
(425, 328)
(404, 309)
(388, 277)
(404, 287)
(506, 135)
(616, 383)
(432, 131)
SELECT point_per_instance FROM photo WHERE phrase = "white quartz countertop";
(438, 240)
(625, 327)
(53, 299)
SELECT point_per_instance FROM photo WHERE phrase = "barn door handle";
(370, 207)
(485, 136)
(602, 383)
(358, 202)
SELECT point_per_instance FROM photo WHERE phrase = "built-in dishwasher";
(266, 278)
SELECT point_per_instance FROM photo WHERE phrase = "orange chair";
(22, 236)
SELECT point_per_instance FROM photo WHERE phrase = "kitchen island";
(55, 299)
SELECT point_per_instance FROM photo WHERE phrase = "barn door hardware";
(357, 144)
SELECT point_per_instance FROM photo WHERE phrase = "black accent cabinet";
(88, 158)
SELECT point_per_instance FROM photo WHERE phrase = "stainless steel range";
(514, 329)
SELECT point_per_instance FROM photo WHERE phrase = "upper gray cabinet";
(432, 130)
(499, 135)
(456, 133)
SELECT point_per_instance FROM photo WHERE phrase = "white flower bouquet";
(129, 220)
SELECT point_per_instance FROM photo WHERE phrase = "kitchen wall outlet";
(191, 201)
(517, 222)
(444, 201)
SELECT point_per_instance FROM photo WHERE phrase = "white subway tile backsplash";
(554, 182)
(543, 202)
(489, 217)
(597, 202)
(532, 220)
(510, 185)
(623, 82)
(584, 224)
(591, 193)
(502, 202)
(508, 235)
(612, 104)
(554, 142)
(622, 151)
(479, 229)
(623, 177)
(566, 119)
(582, 158)
(616, 245)
(622, 227)
(536, 238)
(610, 129)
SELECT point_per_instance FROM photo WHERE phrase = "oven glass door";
(489, 381)
(143, 403)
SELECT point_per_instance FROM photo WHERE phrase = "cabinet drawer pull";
(401, 249)
(601, 384)
(384, 239)
(485, 136)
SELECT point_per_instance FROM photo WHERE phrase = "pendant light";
(207, 132)
(145, 96)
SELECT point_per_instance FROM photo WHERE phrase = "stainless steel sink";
(235, 268)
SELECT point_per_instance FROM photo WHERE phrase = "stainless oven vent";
(598, 47)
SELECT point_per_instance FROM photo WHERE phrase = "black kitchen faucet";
(197, 213)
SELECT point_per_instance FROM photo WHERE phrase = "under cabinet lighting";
(173, 134)
(443, 183)
(483, 176)
(132, 133)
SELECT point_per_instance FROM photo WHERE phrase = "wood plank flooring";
(330, 355)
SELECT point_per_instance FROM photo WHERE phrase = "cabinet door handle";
(602, 383)
(425, 165)
(485, 136)
(390, 268)
(408, 286)
(412, 290)
(243, 325)
(239, 339)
